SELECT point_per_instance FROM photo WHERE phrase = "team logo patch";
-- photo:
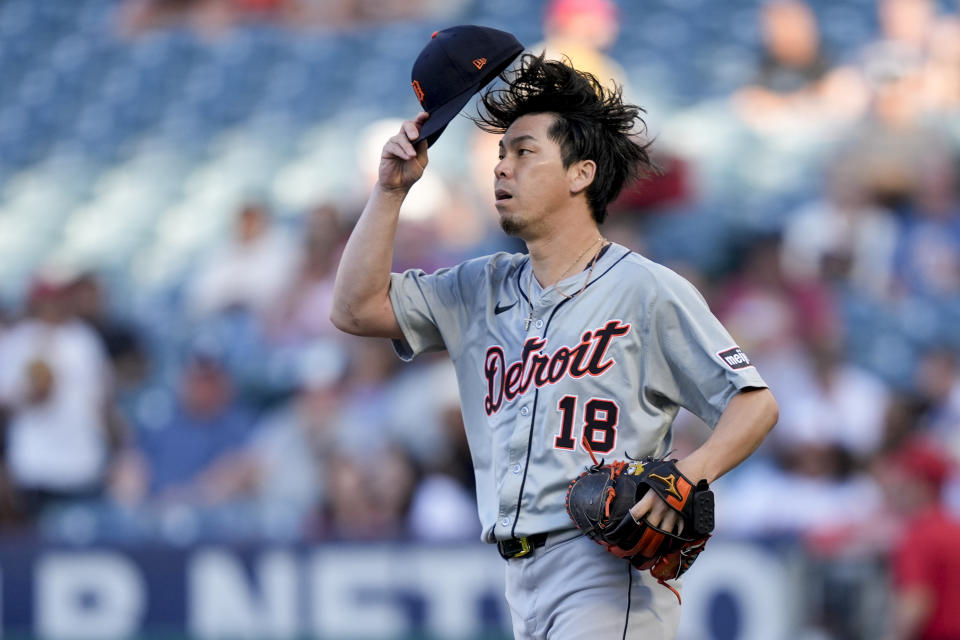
(417, 89)
(735, 358)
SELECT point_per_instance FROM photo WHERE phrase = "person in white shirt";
(54, 382)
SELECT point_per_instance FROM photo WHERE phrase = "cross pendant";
(526, 323)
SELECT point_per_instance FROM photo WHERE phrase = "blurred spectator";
(841, 404)
(941, 71)
(925, 559)
(123, 346)
(354, 13)
(900, 421)
(89, 303)
(832, 419)
(6, 319)
(772, 317)
(376, 11)
(795, 83)
(139, 16)
(938, 386)
(896, 141)
(197, 454)
(827, 493)
(369, 478)
(54, 382)
(367, 500)
(213, 17)
(366, 423)
(582, 30)
(350, 510)
(841, 237)
(249, 272)
(444, 504)
(292, 446)
(667, 190)
(207, 17)
(792, 60)
(10, 513)
(927, 260)
(905, 30)
(303, 312)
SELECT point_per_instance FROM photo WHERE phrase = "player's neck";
(566, 252)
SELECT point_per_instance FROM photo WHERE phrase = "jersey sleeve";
(433, 309)
(691, 359)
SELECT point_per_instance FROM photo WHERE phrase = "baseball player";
(578, 345)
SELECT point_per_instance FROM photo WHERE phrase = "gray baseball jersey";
(538, 372)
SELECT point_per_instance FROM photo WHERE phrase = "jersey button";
(517, 468)
(524, 411)
(539, 324)
(505, 521)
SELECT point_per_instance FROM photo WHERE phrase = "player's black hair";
(592, 122)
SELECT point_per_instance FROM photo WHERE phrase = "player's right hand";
(402, 164)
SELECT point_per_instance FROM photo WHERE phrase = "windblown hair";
(592, 122)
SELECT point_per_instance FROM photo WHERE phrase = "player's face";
(529, 181)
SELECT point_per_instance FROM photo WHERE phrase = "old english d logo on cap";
(456, 64)
(418, 91)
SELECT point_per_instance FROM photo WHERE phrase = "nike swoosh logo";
(498, 309)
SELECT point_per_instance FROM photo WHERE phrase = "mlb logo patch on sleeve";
(735, 358)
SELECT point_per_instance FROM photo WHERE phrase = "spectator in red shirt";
(926, 559)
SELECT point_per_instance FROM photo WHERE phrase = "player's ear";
(580, 175)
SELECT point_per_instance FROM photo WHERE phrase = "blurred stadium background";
(191, 451)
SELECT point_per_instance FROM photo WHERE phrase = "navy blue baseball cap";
(456, 64)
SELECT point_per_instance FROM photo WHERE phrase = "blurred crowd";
(213, 17)
(251, 418)
(256, 419)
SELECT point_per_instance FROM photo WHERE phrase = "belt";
(519, 547)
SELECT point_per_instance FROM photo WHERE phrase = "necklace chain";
(579, 258)
(593, 262)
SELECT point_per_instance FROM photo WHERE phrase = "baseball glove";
(599, 503)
